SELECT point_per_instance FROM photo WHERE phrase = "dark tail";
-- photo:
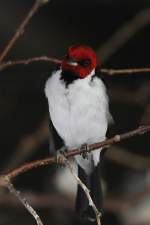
(93, 184)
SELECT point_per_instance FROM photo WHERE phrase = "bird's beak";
(72, 62)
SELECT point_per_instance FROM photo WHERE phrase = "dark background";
(24, 110)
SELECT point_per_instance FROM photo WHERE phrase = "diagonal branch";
(85, 189)
(43, 162)
(21, 28)
(12, 190)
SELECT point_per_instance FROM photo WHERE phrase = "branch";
(112, 72)
(21, 28)
(5, 65)
(83, 186)
(43, 162)
(12, 190)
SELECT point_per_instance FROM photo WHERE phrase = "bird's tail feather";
(92, 182)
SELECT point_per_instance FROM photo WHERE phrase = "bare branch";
(5, 65)
(12, 189)
(83, 186)
(43, 162)
(21, 28)
(111, 72)
(125, 71)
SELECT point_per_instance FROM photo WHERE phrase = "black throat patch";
(68, 77)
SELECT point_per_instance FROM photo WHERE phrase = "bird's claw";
(60, 154)
(84, 149)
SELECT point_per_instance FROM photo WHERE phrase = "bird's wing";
(52, 147)
(55, 141)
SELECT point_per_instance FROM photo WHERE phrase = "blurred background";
(120, 33)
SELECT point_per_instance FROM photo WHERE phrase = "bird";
(79, 110)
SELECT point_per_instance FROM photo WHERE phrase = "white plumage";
(79, 113)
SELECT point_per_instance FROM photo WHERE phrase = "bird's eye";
(85, 62)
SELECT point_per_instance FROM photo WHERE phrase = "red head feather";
(80, 60)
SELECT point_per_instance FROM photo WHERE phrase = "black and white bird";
(79, 111)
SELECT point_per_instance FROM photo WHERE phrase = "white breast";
(79, 113)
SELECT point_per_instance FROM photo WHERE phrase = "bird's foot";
(60, 154)
(88, 215)
(84, 148)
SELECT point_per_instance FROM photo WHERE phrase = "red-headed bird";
(78, 107)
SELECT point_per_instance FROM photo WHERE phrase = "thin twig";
(43, 162)
(111, 72)
(125, 71)
(85, 189)
(21, 28)
(5, 65)
(12, 190)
